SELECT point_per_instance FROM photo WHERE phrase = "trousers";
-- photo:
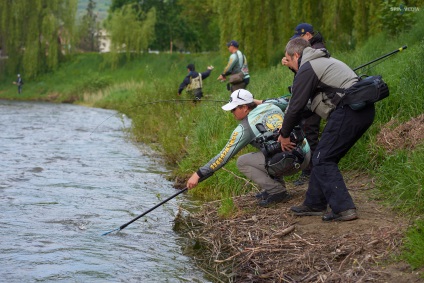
(326, 185)
(310, 127)
(252, 165)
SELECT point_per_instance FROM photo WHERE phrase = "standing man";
(194, 81)
(237, 68)
(316, 70)
(19, 82)
(249, 112)
(310, 122)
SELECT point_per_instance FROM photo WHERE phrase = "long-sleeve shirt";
(270, 114)
(235, 64)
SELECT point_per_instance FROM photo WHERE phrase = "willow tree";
(34, 32)
(130, 30)
(263, 27)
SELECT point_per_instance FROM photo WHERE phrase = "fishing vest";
(195, 83)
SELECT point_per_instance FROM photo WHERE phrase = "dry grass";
(271, 245)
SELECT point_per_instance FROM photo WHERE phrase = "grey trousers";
(252, 165)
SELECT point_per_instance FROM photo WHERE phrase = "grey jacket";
(317, 71)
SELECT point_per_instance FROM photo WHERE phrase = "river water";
(67, 175)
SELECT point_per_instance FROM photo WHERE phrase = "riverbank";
(188, 134)
(259, 244)
(271, 245)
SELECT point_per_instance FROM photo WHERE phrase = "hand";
(284, 61)
(286, 144)
(193, 181)
(221, 78)
(257, 101)
(178, 93)
(210, 67)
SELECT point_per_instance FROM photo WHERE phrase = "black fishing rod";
(144, 213)
(153, 208)
(382, 57)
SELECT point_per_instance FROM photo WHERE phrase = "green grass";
(413, 247)
(188, 134)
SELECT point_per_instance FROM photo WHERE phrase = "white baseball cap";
(238, 97)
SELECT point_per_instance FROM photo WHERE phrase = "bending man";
(316, 70)
(249, 113)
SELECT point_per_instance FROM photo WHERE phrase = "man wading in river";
(250, 113)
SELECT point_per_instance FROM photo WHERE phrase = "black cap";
(233, 43)
(301, 29)
(190, 67)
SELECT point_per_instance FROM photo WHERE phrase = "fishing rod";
(160, 101)
(382, 57)
(144, 213)
(154, 207)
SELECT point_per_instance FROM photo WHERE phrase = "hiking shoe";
(346, 215)
(262, 195)
(275, 198)
(303, 179)
(303, 210)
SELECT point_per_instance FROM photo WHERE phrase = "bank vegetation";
(188, 134)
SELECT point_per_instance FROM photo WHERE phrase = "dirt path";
(272, 245)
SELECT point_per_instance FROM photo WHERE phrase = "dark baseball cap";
(191, 67)
(301, 29)
(233, 43)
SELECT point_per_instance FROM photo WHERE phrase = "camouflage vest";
(195, 83)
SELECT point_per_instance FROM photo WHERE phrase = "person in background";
(194, 81)
(310, 122)
(250, 112)
(315, 69)
(19, 82)
(236, 66)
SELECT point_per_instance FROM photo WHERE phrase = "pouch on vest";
(322, 105)
(285, 163)
(236, 78)
(366, 91)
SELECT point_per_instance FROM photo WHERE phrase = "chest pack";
(367, 90)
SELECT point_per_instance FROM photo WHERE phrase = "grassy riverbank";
(189, 134)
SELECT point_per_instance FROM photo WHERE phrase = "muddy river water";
(68, 174)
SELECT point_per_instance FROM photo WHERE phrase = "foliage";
(414, 249)
(189, 134)
(185, 25)
(101, 9)
(354, 21)
(34, 33)
(88, 29)
(401, 178)
(128, 34)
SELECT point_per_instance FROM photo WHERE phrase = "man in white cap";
(250, 112)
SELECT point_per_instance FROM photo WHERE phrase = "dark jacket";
(316, 71)
(192, 74)
(317, 41)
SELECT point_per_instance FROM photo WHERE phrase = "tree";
(131, 30)
(89, 29)
(34, 33)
